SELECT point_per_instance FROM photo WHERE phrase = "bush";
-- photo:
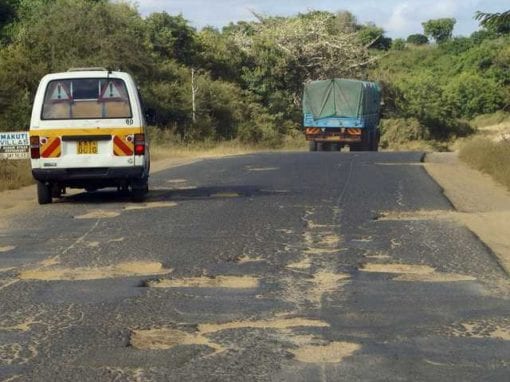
(469, 95)
(14, 174)
(489, 157)
(417, 39)
(396, 131)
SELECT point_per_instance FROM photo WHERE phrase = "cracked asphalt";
(262, 267)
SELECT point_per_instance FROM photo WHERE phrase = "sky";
(399, 18)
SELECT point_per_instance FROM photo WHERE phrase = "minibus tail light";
(139, 144)
(35, 148)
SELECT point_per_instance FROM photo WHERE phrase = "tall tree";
(439, 29)
(495, 22)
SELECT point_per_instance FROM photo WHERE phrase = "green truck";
(342, 112)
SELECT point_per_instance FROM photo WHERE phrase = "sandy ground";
(483, 204)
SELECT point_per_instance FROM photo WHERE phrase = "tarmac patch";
(232, 282)
(128, 269)
(335, 352)
(176, 181)
(99, 214)
(7, 248)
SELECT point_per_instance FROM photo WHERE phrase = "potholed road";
(280, 266)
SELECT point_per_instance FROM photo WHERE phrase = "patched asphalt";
(307, 226)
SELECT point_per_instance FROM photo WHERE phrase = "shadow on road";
(159, 194)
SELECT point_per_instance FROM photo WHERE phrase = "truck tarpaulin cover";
(341, 98)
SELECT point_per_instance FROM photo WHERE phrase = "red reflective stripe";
(121, 145)
(54, 145)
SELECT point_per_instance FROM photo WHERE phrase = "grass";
(488, 156)
(14, 174)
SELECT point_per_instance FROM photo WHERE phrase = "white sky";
(399, 18)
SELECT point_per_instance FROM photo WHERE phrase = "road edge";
(483, 206)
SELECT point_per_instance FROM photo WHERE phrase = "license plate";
(87, 147)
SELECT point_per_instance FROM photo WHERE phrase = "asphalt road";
(278, 267)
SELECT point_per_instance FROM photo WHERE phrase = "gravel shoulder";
(483, 204)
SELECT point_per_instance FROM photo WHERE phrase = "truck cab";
(88, 131)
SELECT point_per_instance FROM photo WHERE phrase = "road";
(263, 267)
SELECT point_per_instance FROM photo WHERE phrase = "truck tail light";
(139, 144)
(35, 147)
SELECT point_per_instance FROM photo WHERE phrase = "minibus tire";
(43, 193)
(138, 191)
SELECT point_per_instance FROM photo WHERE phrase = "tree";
(371, 36)
(171, 37)
(417, 39)
(439, 29)
(495, 22)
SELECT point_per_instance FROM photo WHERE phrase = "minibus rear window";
(86, 98)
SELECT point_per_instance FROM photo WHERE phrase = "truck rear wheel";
(312, 146)
(43, 193)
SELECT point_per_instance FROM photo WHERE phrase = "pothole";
(7, 248)
(163, 339)
(334, 352)
(233, 282)
(247, 259)
(99, 214)
(226, 195)
(166, 338)
(435, 277)
(128, 269)
(415, 215)
(150, 205)
(256, 169)
(482, 329)
(396, 268)
(303, 264)
(415, 273)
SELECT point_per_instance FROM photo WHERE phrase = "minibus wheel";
(43, 193)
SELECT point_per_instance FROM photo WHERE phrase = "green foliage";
(417, 39)
(170, 37)
(398, 44)
(439, 29)
(498, 23)
(249, 76)
(470, 94)
(373, 37)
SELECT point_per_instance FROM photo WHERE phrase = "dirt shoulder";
(482, 204)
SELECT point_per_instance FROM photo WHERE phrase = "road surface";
(263, 267)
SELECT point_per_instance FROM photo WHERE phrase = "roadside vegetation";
(14, 174)
(488, 156)
(239, 88)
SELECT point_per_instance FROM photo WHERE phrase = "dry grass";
(14, 174)
(161, 149)
(489, 157)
